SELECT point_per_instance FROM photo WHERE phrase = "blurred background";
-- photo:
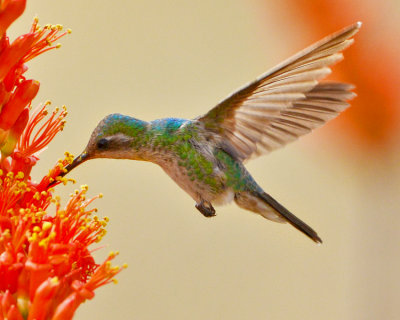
(152, 59)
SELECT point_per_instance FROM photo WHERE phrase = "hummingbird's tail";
(263, 204)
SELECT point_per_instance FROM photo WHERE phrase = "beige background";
(152, 59)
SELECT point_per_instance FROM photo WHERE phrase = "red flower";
(46, 267)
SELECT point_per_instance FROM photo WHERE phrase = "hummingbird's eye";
(102, 144)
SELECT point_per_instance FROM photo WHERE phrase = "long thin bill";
(77, 161)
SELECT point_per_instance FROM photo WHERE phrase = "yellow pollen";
(58, 46)
(46, 225)
(33, 237)
(36, 229)
(6, 234)
(43, 243)
(100, 195)
(54, 280)
(69, 30)
(115, 281)
(20, 175)
(125, 265)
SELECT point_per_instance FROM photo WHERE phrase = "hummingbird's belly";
(209, 187)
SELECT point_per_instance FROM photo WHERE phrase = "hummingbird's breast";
(185, 152)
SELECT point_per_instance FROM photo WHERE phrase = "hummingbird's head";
(114, 137)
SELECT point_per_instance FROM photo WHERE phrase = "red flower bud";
(43, 299)
(4, 43)
(66, 309)
(14, 53)
(15, 132)
(22, 96)
(20, 124)
(11, 12)
(14, 314)
(3, 95)
(7, 300)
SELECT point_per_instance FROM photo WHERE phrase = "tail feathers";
(290, 217)
(263, 204)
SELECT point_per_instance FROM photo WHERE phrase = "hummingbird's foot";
(206, 209)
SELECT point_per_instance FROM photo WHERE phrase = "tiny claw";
(206, 209)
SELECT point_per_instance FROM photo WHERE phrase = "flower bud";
(14, 53)
(22, 96)
(15, 133)
(11, 12)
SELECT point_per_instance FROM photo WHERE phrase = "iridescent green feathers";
(118, 123)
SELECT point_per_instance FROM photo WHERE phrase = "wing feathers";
(284, 103)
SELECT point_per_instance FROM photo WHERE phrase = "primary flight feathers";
(284, 103)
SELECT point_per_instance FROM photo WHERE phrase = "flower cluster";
(46, 267)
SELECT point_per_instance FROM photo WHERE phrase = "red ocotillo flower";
(46, 267)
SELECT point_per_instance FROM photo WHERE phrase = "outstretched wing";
(284, 103)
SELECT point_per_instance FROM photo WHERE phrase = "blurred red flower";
(373, 120)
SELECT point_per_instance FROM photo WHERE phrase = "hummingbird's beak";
(77, 161)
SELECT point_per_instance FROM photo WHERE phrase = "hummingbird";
(205, 156)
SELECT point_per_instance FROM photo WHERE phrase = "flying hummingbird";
(205, 156)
